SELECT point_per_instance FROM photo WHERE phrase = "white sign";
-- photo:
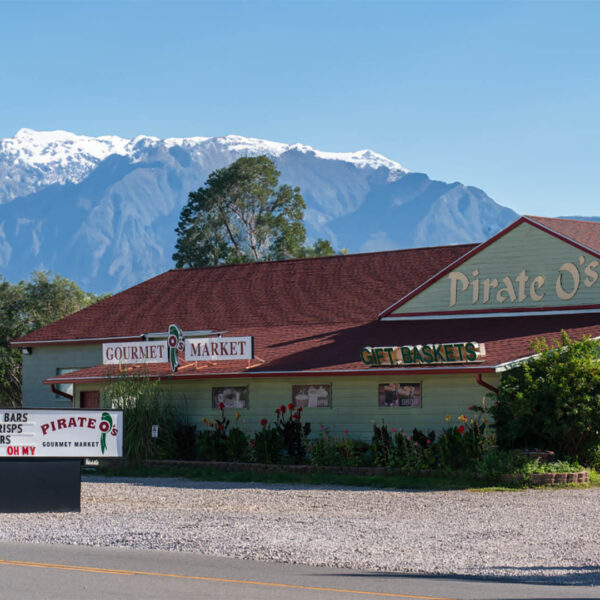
(219, 348)
(154, 431)
(61, 433)
(130, 353)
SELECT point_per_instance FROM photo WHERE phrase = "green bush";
(329, 451)
(144, 403)
(552, 401)
(185, 442)
(293, 433)
(267, 446)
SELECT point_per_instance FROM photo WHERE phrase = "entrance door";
(89, 399)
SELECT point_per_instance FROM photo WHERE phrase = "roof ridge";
(307, 258)
(568, 220)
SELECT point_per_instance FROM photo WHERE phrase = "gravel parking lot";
(537, 535)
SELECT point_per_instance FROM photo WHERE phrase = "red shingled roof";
(586, 233)
(307, 293)
(326, 350)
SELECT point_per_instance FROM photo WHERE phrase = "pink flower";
(393, 430)
(428, 441)
(346, 431)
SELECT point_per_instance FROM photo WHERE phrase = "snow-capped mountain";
(102, 210)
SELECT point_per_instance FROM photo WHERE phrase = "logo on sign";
(176, 343)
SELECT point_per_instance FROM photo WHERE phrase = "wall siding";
(523, 248)
(44, 361)
(354, 401)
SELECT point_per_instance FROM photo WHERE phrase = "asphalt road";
(48, 572)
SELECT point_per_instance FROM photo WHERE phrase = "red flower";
(296, 416)
(346, 431)
(290, 406)
(221, 426)
(461, 429)
(472, 407)
(277, 411)
(221, 405)
(282, 409)
(263, 422)
(299, 409)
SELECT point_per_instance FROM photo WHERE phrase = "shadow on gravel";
(539, 575)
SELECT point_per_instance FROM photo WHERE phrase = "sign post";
(41, 452)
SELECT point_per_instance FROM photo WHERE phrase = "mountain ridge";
(102, 211)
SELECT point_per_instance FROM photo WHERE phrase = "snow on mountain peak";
(34, 159)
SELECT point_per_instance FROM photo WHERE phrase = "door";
(89, 399)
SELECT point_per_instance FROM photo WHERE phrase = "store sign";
(567, 281)
(196, 349)
(130, 353)
(219, 348)
(61, 433)
(428, 354)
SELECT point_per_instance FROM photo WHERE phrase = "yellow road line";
(20, 563)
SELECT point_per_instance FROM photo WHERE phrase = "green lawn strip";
(420, 482)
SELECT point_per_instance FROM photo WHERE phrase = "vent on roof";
(162, 335)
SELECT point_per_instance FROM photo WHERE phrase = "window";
(311, 396)
(231, 397)
(400, 394)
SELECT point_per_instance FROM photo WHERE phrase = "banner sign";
(73, 433)
(428, 354)
(161, 351)
(219, 348)
(129, 353)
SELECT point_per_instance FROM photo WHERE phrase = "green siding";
(44, 361)
(354, 401)
(523, 248)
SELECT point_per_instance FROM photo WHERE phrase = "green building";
(406, 336)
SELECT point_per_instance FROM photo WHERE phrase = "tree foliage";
(552, 401)
(24, 307)
(241, 215)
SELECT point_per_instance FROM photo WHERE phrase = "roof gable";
(527, 267)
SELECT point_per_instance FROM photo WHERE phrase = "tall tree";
(26, 306)
(241, 215)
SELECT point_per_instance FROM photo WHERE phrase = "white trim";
(389, 370)
(532, 313)
(75, 340)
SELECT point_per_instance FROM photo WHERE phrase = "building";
(407, 336)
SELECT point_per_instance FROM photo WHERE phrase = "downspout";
(486, 385)
(59, 393)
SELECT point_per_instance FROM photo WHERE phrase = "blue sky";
(503, 96)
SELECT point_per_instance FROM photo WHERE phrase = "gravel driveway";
(536, 535)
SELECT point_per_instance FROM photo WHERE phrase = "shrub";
(330, 451)
(237, 445)
(293, 432)
(144, 403)
(553, 400)
(185, 442)
(266, 447)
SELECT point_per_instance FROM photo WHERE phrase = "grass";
(412, 482)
